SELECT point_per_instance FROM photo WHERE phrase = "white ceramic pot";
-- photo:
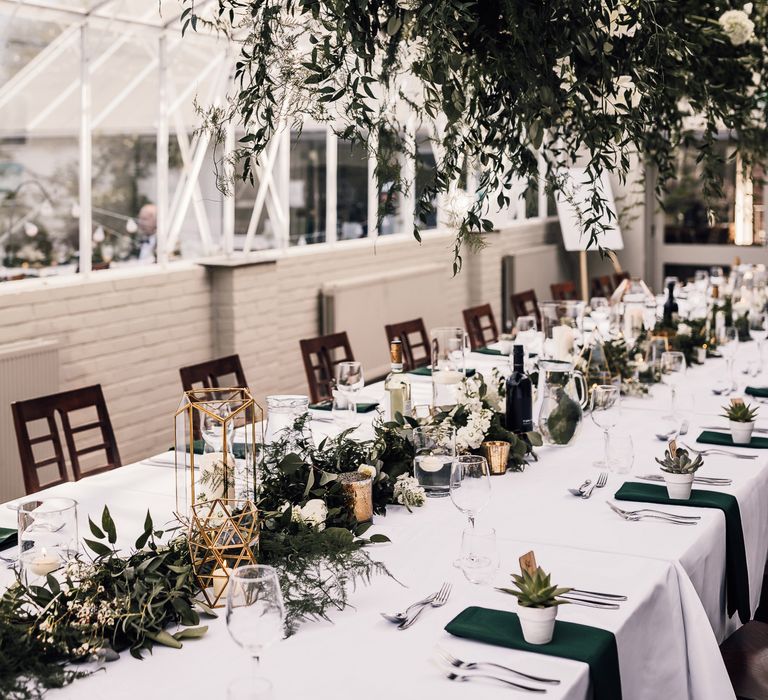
(538, 623)
(678, 485)
(741, 433)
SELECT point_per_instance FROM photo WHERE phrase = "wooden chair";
(413, 335)
(525, 304)
(745, 654)
(564, 291)
(481, 326)
(209, 373)
(619, 277)
(46, 408)
(601, 286)
(321, 355)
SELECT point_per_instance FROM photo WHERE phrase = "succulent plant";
(740, 412)
(536, 591)
(680, 462)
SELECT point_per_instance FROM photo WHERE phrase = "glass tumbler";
(48, 536)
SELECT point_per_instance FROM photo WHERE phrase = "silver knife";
(724, 429)
(589, 603)
(595, 594)
(712, 480)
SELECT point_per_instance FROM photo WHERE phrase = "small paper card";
(738, 401)
(528, 563)
(672, 447)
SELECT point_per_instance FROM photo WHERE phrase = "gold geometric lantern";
(223, 535)
(216, 446)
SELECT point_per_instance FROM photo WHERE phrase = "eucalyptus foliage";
(587, 82)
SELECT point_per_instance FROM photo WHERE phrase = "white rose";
(748, 8)
(409, 5)
(683, 329)
(368, 469)
(315, 512)
(737, 26)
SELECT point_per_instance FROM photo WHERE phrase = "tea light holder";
(48, 536)
(496, 453)
(358, 489)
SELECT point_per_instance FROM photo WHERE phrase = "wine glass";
(215, 426)
(759, 332)
(470, 487)
(606, 410)
(479, 557)
(728, 344)
(600, 313)
(525, 330)
(255, 620)
(349, 381)
(672, 371)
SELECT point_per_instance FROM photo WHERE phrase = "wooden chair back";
(619, 277)
(413, 335)
(321, 355)
(481, 326)
(564, 291)
(62, 405)
(525, 304)
(601, 286)
(208, 374)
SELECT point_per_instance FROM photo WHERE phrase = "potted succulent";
(679, 469)
(741, 419)
(537, 601)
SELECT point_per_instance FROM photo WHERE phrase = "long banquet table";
(667, 632)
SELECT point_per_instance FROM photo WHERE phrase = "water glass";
(282, 413)
(449, 350)
(620, 452)
(600, 313)
(672, 371)
(349, 381)
(255, 619)
(479, 558)
(48, 536)
(606, 411)
(435, 450)
(470, 485)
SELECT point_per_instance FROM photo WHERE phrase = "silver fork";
(475, 676)
(642, 516)
(602, 480)
(639, 511)
(403, 616)
(438, 601)
(717, 451)
(469, 665)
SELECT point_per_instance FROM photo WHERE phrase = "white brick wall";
(131, 330)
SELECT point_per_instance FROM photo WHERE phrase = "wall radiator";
(28, 368)
(362, 306)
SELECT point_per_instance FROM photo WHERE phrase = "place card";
(738, 401)
(528, 563)
(673, 447)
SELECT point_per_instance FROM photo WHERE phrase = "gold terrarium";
(223, 535)
(217, 442)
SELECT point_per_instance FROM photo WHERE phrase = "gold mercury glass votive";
(496, 452)
(359, 490)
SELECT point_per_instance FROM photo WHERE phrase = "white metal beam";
(228, 218)
(373, 189)
(331, 180)
(264, 171)
(85, 242)
(162, 151)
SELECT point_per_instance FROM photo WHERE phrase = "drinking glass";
(47, 536)
(215, 428)
(479, 558)
(601, 315)
(621, 452)
(759, 330)
(470, 485)
(435, 450)
(672, 371)
(526, 331)
(606, 411)
(349, 381)
(255, 620)
(449, 348)
(728, 344)
(649, 315)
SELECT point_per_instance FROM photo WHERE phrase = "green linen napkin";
(736, 575)
(594, 646)
(488, 351)
(427, 371)
(238, 449)
(8, 537)
(759, 391)
(710, 437)
(327, 405)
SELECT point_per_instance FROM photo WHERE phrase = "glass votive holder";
(48, 536)
(359, 491)
(435, 450)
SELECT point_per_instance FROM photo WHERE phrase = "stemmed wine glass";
(760, 333)
(606, 410)
(672, 371)
(526, 330)
(349, 381)
(728, 343)
(470, 489)
(600, 314)
(255, 620)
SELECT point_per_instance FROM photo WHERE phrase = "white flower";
(314, 512)
(409, 5)
(367, 469)
(407, 491)
(748, 8)
(683, 329)
(737, 25)
(458, 204)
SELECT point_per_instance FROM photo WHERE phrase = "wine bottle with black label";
(670, 306)
(519, 418)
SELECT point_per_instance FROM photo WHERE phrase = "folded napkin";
(710, 437)
(595, 647)
(8, 537)
(488, 351)
(736, 575)
(327, 405)
(759, 391)
(427, 371)
(238, 449)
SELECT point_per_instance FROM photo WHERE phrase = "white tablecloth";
(667, 632)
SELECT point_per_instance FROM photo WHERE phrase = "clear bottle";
(396, 384)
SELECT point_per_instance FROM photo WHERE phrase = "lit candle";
(44, 564)
(431, 464)
(220, 581)
(562, 337)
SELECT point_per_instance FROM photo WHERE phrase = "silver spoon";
(580, 491)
